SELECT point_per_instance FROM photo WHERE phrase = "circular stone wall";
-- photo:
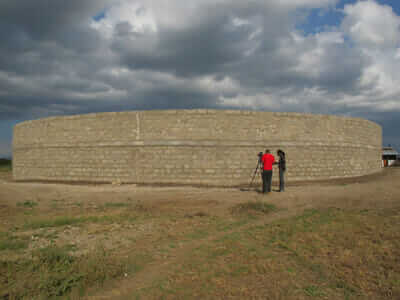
(210, 147)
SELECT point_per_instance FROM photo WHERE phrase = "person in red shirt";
(268, 160)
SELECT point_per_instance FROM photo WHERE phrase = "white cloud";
(146, 54)
(370, 24)
(314, 50)
(374, 29)
(140, 19)
(149, 15)
(231, 53)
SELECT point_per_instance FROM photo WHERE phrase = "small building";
(389, 156)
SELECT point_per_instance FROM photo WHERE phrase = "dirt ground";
(186, 204)
(345, 193)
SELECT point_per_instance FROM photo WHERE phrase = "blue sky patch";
(101, 15)
(319, 20)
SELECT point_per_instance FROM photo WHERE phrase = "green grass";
(5, 165)
(28, 204)
(55, 222)
(10, 242)
(52, 272)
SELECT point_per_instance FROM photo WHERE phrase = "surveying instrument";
(258, 167)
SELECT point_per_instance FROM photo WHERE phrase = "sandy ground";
(379, 190)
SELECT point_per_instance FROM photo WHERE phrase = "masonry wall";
(210, 147)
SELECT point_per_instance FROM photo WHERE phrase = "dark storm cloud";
(53, 39)
(211, 43)
(48, 53)
(214, 46)
(43, 19)
(182, 100)
(42, 37)
(193, 51)
(56, 59)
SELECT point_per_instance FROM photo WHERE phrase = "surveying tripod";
(259, 165)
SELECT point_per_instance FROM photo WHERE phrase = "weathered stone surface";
(212, 147)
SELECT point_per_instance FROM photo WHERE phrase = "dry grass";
(103, 243)
(329, 254)
(253, 207)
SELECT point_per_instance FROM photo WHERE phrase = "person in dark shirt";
(282, 169)
(268, 160)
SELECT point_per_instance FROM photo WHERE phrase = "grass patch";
(116, 204)
(67, 220)
(53, 272)
(223, 225)
(253, 207)
(10, 242)
(55, 222)
(313, 291)
(330, 254)
(28, 204)
(197, 234)
(5, 165)
(322, 253)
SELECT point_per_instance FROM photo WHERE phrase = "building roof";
(389, 151)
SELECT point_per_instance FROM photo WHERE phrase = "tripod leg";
(254, 175)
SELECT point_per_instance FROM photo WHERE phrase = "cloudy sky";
(316, 56)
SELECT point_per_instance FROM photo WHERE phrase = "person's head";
(267, 151)
(280, 153)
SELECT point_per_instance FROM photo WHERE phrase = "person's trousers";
(281, 180)
(267, 180)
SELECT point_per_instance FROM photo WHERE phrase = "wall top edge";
(195, 112)
(200, 143)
